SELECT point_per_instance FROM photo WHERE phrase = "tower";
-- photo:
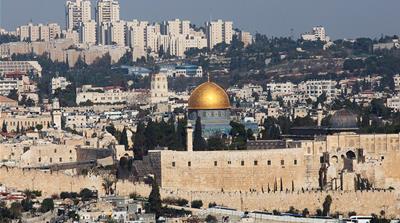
(159, 88)
(56, 114)
(189, 138)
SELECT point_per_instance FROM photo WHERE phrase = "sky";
(341, 18)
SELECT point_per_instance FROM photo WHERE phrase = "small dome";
(343, 119)
(208, 96)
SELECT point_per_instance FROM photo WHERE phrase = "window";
(295, 162)
(55, 150)
(40, 160)
(269, 162)
(51, 160)
(189, 163)
(282, 162)
(70, 151)
(242, 163)
(215, 163)
(60, 159)
(173, 164)
(229, 162)
(255, 162)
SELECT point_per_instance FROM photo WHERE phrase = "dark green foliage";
(154, 202)
(124, 139)
(6, 38)
(175, 201)
(71, 195)
(196, 204)
(86, 194)
(199, 143)
(239, 135)
(216, 142)
(305, 212)
(4, 127)
(47, 205)
(67, 97)
(139, 141)
(13, 95)
(326, 206)
(211, 219)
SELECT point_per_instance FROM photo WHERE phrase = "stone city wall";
(363, 203)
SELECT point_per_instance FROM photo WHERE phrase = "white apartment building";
(100, 95)
(112, 33)
(59, 83)
(314, 88)
(40, 32)
(77, 11)
(317, 33)
(280, 89)
(151, 37)
(107, 11)
(87, 32)
(246, 38)
(218, 32)
(175, 27)
(26, 67)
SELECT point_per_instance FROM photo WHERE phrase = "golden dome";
(209, 96)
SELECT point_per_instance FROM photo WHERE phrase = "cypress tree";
(151, 139)
(139, 141)
(181, 134)
(4, 127)
(198, 140)
(154, 202)
(124, 139)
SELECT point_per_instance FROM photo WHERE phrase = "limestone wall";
(361, 202)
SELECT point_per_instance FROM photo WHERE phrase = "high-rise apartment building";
(87, 32)
(40, 32)
(112, 33)
(77, 11)
(219, 32)
(175, 27)
(107, 11)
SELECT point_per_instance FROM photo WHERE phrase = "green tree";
(196, 204)
(239, 135)
(16, 210)
(154, 202)
(181, 134)
(39, 127)
(326, 206)
(47, 205)
(86, 194)
(216, 142)
(199, 143)
(211, 219)
(13, 94)
(124, 139)
(139, 141)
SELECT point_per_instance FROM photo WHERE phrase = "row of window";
(51, 159)
(242, 163)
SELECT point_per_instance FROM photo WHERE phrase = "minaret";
(56, 113)
(319, 115)
(189, 138)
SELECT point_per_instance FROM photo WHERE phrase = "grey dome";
(343, 119)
